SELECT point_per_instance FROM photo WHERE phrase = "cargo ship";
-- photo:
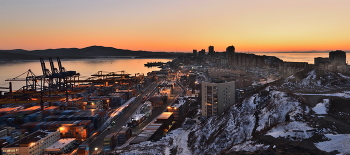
(151, 64)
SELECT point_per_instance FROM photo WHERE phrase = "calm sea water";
(300, 57)
(85, 67)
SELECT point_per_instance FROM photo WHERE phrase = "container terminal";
(99, 114)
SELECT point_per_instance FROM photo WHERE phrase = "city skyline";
(176, 26)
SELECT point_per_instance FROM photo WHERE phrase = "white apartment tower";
(217, 97)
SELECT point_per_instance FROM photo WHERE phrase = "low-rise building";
(166, 118)
(33, 144)
(179, 109)
(62, 146)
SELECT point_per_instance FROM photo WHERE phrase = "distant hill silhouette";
(81, 53)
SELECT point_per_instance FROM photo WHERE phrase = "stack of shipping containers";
(123, 135)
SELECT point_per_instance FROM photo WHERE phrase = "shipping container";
(123, 135)
(110, 142)
(83, 149)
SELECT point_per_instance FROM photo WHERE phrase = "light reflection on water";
(85, 67)
(300, 57)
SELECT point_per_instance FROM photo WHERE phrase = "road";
(120, 121)
(157, 111)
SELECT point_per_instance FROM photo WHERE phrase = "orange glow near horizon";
(176, 26)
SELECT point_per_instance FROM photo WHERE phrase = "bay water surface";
(86, 67)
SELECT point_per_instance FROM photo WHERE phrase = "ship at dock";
(151, 64)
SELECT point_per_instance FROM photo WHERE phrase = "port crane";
(55, 79)
(46, 75)
(105, 77)
(31, 80)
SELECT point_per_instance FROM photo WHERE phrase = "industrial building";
(217, 97)
(179, 109)
(98, 117)
(166, 118)
(79, 129)
(33, 144)
(62, 146)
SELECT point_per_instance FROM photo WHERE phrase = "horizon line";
(312, 51)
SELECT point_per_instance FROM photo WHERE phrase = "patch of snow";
(321, 108)
(281, 105)
(174, 139)
(142, 152)
(181, 142)
(340, 74)
(167, 150)
(311, 76)
(344, 94)
(314, 82)
(290, 77)
(292, 130)
(338, 142)
(249, 146)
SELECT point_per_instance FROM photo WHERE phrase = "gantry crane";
(31, 80)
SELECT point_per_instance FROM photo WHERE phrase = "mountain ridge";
(81, 53)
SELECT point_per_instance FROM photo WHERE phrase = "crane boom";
(61, 69)
(53, 69)
(46, 72)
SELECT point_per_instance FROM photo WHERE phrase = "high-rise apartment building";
(230, 50)
(335, 62)
(337, 57)
(201, 53)
(194, 52)
(211, 51)
(217, 97)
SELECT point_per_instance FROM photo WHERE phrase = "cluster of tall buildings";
(218, 96)
(230, 50)
(335, 62)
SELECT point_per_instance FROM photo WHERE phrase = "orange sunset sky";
(176, 25)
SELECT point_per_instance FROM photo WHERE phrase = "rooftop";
(32, 138)
(177, 105)
(153, 126)
(57, 146)
(165, 115)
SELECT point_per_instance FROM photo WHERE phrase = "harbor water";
(86, 67)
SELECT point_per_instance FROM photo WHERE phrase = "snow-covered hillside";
(175, 141)
(315, 81)
(257, 114)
